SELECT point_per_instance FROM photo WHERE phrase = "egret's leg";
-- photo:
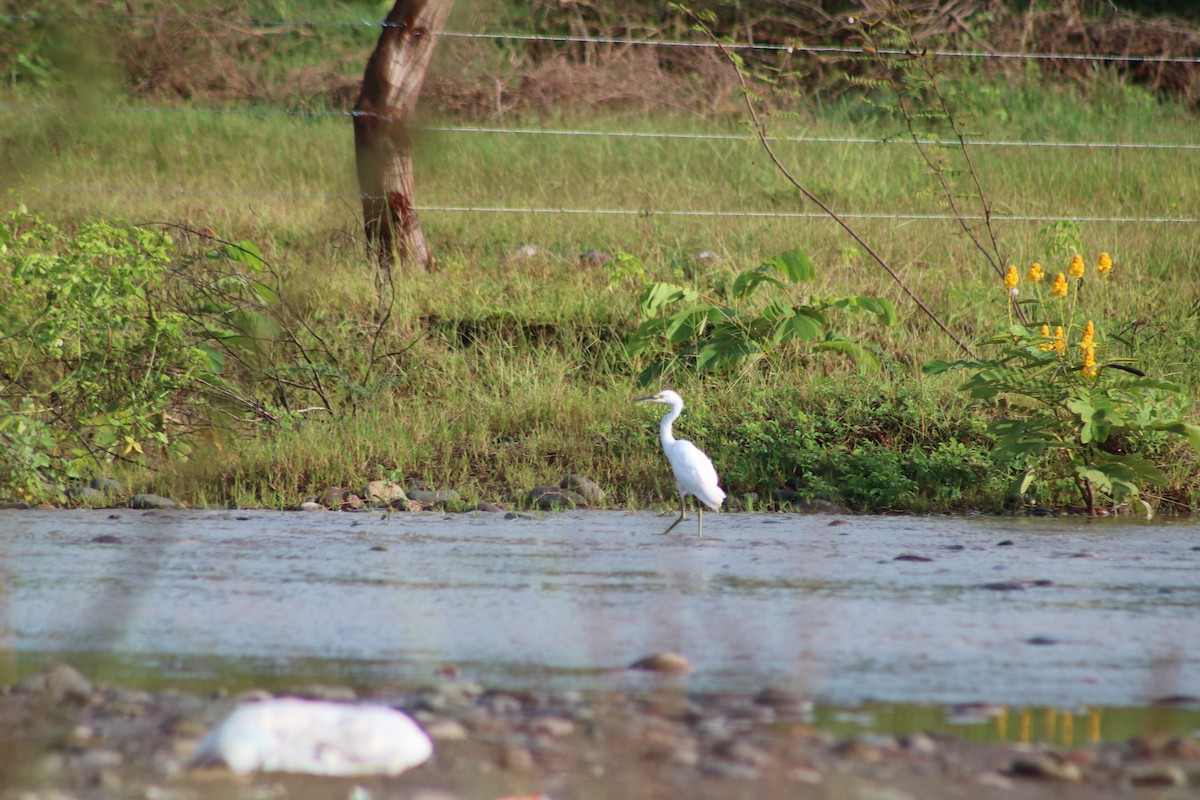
(700, 516)
(682, 512)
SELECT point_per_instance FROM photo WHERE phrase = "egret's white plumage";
(694, 471)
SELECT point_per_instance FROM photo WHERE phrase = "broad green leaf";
(747, 282)
(795, 264)
(860, 356)
(245, 252)
(657, 295)
(880, 307)
(801, 327)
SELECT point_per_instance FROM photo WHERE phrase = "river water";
(848, 609)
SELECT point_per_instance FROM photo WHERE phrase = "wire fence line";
(604, 40)
(725, 137)
(630, 212)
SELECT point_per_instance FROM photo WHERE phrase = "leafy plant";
(117, 346)
(707, 332)
(1059, 408)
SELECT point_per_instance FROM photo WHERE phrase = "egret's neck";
(664, 427)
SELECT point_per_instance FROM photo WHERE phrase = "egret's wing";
(695, 473)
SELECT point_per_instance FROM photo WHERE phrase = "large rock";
(550, 498)
(152, 502)
(587, 488)
(315, 737)
(386, 493)
(57, 684)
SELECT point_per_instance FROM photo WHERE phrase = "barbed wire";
(631, 212)
(724, 137)
(604, 40)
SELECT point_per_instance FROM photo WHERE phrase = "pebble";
(665, 662)
(1037, 765)
(552, 727)
(1156, 775)
(445, 730)
(516, 758)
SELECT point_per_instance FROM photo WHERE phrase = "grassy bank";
(495, 373)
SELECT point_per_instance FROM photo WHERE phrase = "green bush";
(112, 349)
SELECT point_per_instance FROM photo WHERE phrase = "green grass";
(512, 372)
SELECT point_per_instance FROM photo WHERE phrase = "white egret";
(694, 471)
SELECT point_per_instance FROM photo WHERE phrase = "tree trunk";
(382, 146)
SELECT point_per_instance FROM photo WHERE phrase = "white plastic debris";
(315, 737)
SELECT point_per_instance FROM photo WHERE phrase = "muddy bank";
(66, 738)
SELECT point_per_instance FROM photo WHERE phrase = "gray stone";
(549, 498)
(58, 683)
(1049, 767)
(333, 497)
(1156, 775)
(384, 492)
(666, 662)
(152, 502)
(434, 497)
(487, 508)
(85, 496)
(587, 488)
(107, 485)
(309, 505)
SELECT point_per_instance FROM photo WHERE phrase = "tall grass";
(513, 372)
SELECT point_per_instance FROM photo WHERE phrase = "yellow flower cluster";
(1011, 278)
(1088, 345)
(1105, 264)
(1076, 268)
(1059, 342)
(1059, 289)
(1035, 273)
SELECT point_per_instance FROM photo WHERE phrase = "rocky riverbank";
(65, 737)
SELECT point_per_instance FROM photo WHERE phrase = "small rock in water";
(911, 557)
(434, 497)
(310, 506)
(667, 662)
(1042, 640)
(152, 502)
(106, 538)
(315, 737)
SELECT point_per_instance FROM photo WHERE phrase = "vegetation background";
(192, 310)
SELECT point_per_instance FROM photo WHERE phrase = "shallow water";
(1105, 613)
